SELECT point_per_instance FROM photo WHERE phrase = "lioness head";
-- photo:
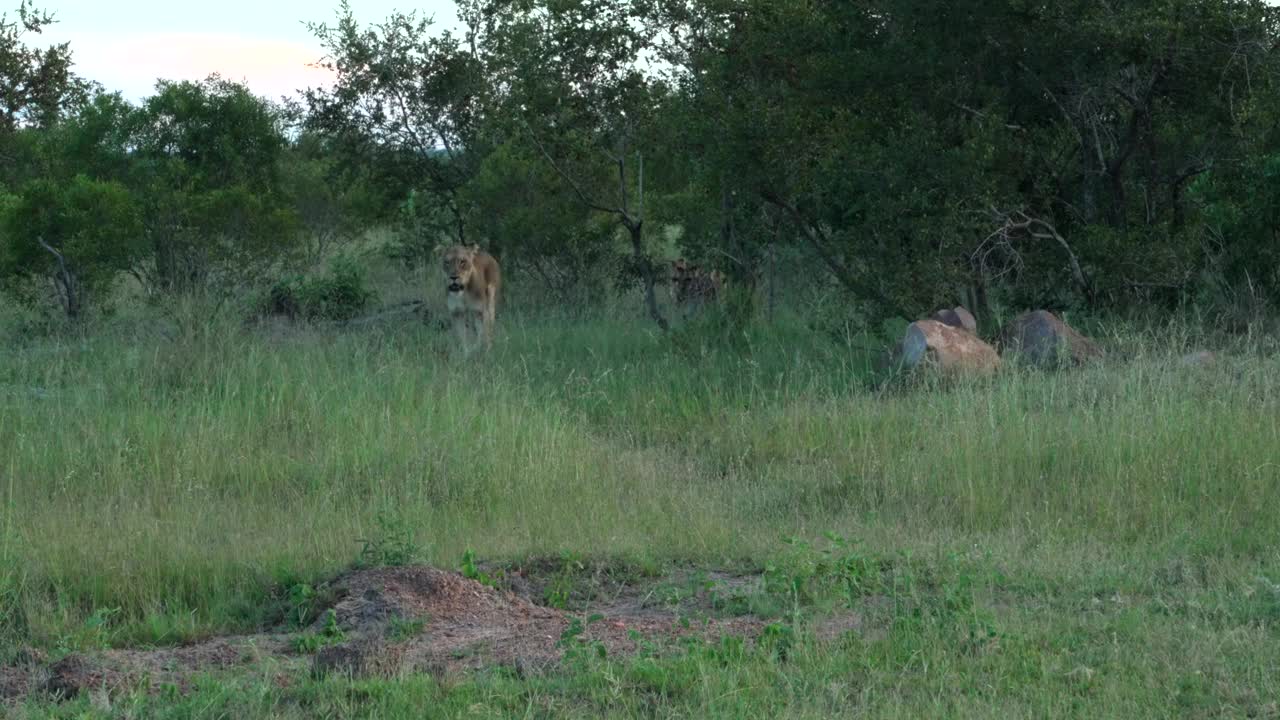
(679, 270)
(458, 264)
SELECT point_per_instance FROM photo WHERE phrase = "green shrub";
(339, 294)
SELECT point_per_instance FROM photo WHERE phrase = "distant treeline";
(1064, 154)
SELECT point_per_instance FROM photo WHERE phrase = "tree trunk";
(636, 230)
(65, 280)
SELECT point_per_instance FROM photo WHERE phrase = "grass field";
(1103, 542)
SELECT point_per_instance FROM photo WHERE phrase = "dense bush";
(339, 294)
(78, 236)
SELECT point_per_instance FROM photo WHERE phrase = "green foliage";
(302, 600)
(206, 164)
(393, 545)
(309, 643)
(561, 588)
(403, 111)
(1126, 158)
(471, 571)
(39, 87)
(579, 652)
(902, 195)
(94, 633)
(539, 231)
(328, 203)
(79, 236)
(340, 294)
(806, 575)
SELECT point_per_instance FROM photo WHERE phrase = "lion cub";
(693, 287)
(473, 279)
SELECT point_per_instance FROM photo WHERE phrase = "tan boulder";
(950, 349)
(958, 317)
(1043, 339)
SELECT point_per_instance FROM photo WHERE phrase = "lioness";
(693, 287)
(473, 281)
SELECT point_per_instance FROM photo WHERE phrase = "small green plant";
(808, 575)
(330, 634)
(778, 638)
(471, 571)
(393, 545)
(307, 643)
(560, 589)
(578, 652)
(302, 604)
(95, 632)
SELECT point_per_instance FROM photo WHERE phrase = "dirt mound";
(114, 670)
(371, 598)
(76, 673)
(467, 625)
(464, 623)
(389, 621)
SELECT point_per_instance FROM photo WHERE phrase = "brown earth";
(401, 620)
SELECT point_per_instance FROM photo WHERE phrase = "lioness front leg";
(489, 313)
(461, 331)
(475, 321)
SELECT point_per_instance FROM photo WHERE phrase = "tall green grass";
(180, 477)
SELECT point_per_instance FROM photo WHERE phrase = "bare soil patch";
(397, 620)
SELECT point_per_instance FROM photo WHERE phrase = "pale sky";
(128, 44)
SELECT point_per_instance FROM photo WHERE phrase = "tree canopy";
(1066, 154)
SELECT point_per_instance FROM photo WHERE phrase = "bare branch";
(640, 184)
(818, 241)
(65, 277)
(577, 189)
(1014, 224)
(984, 116)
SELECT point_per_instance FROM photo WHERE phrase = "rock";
(957, 317)
(363, 657)
(1043, 339)
(930, 342)
(1200, 358)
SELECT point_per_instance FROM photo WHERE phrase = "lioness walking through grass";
(473, 279)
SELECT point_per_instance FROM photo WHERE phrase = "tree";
(329, 201)
(206, 164)
(519, 202)
(36, 86)
(568, 79)
(78, 236)
(897, 137)
(37, 89)
(405, 106)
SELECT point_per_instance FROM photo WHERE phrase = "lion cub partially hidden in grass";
(692, 287)
(473, 281)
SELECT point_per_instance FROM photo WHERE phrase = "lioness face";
(459, 263)
(679, 270)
